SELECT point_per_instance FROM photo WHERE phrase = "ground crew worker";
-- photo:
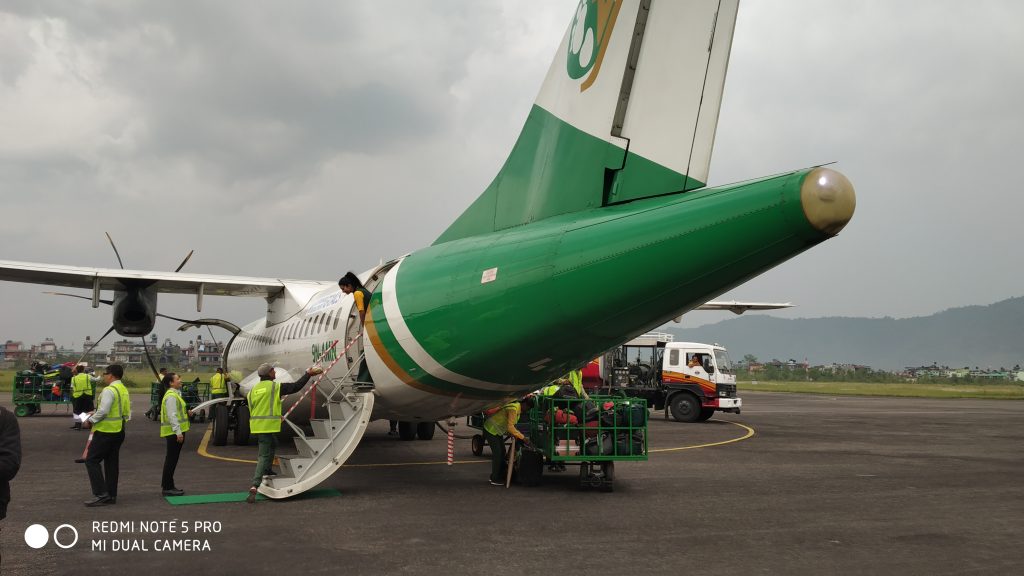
(576, 378)
(496, 426)
(173, 425)
(108, 424)
(265, 417)
(81, 395)
(218, 384)
(350, 284)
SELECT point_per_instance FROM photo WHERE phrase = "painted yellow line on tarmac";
(750, 433)
(206, 439)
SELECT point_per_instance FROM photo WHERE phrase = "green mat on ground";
(240, 497)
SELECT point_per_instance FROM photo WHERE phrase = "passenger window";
(337, 318)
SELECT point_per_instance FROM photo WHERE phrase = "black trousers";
(105, 448)
(82, 404)
(171, 461)
(498, 464)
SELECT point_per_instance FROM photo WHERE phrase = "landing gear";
(425, 430)
(407, 430)
(477, 445)
(242, 426)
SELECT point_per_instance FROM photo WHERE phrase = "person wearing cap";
(108, 425)
(265, 417)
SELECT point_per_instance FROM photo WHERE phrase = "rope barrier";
(321, 376)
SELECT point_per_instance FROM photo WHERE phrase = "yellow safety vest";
(265, 407)
(120, 410)
(576, 377)
(217, 384)
(497, 423)
(81, 384)
(165, 421)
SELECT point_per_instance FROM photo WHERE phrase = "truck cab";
(689, 379)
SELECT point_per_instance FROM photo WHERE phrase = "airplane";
(598, 227)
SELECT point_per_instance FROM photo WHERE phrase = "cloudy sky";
(300, 141)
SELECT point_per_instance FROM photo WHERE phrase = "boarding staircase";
(348, 406)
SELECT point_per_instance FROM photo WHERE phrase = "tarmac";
(796, 484)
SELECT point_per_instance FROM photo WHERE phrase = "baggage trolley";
(31, 390)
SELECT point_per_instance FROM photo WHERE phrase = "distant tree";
(749, 359)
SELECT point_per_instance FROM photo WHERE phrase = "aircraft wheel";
(242, 426)
(220, 425)
(407, 430)
(705, 414)
(477, 445)
(425, 430)
(685, 407)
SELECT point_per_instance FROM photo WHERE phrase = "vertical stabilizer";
(628, 110)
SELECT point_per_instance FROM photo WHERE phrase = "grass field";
(994, 391)
(139, 381)
(134, 380)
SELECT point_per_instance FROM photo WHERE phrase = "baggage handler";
(265, 417)
(81, 394)
(496, 426)
(218, 384)
(173, 425)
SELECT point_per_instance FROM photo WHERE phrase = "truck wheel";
(425, 430)
(22, 410)
(242, 426)
(220, 425)
(477, 445)
(705, 413)
(406, 430)
(685, 407)
(608, 471)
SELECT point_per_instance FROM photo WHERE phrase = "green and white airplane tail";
(628, 110)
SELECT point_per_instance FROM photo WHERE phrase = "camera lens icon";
(64, 536)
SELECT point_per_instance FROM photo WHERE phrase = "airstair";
(348, 406)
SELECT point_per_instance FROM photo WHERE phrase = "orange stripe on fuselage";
(389, 361)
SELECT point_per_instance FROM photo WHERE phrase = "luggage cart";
(193, 393)
(590, 433)
(31, 390)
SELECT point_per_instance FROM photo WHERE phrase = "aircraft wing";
(166, 282)
(741, 307)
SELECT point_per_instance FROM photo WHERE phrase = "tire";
(36, 408)
(407, 430)
(220, 425)
(425, 430)
(705, 414)
(531, 467)
(685, 407)
(477, 445)
(242, 426)
(608, 471)
(22, 410)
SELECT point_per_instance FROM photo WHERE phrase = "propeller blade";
(145, 348)
(115, 250)
(94, 345)
(107, 302)
(182, 265)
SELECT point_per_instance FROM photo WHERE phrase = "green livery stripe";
(555, 169)
(387, 346)
(570, 287)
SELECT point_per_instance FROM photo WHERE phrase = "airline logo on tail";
(591, 30)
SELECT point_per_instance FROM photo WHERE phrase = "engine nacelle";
(134, 310)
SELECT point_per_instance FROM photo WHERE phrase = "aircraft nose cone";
(828, 200)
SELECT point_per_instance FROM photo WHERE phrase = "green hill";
(983, 336)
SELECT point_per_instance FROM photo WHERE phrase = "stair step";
(310, 447)
(293, 466)
(323, 429)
